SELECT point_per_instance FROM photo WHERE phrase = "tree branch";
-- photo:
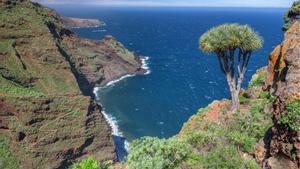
(221, 63)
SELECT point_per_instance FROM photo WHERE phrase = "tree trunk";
(226, 61)
(233, 92)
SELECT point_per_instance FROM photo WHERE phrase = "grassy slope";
(40, 69)
(40, 94)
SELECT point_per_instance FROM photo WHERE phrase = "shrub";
(291, 15)
(88, 163)
(226, 158)
(243, 100)
(8, 159)
(258, 79)
(155, 153)
(247, 128)
(292, 115)
(264, 95)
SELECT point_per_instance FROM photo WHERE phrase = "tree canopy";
(230, 36)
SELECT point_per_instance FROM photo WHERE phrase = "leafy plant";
(291, 15)
(155, 153)
(292, 115)
(7, 157)
(243, 100)
(88, 163)
(226, 157)
(258, 79)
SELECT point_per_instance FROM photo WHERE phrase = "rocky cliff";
(48, 118)
(283, 81)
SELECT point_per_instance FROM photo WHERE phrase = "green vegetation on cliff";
(157, 153)
(292, 115)
(292, 15)
(91, 163)
(7, 157)
(47, 75)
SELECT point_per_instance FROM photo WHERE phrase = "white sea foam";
(79, 27)
(111, 83)
(112, 121)
(145, 65)
(101, 30)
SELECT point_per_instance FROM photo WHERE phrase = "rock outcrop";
(284, 82)
(48, 118)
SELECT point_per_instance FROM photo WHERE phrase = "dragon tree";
(233, 44)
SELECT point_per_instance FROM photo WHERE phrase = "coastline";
(80, 27)
(122, 145)
(144, 66)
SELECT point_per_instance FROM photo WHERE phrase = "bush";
(292, 115)
(155, 153)
(258, 79)
(243, 100)
(226, 158)
(8, 159)
(291, 15)
(247, 128)
(88, 163)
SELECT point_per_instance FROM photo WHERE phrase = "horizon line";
(164, 6)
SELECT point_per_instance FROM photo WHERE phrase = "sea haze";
(182, 78)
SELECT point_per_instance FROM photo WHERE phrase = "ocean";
(182, 79)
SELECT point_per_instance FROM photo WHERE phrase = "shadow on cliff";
(84, 85)
(120, 147)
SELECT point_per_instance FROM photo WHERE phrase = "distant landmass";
(80, 23)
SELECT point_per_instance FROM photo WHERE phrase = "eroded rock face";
(101, 61)
(47, 75)
(284, 82)
(52, 132)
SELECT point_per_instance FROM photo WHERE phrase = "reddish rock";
(283, 80)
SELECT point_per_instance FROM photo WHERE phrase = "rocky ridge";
(48, 118)
(284, 82)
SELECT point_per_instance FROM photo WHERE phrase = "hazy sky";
(213, 3)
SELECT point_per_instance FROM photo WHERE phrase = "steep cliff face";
(47, 75)
(284, 82)
(51, 132)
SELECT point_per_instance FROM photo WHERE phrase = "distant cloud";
(227, 3)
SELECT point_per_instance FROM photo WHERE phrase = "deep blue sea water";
(182, 79)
